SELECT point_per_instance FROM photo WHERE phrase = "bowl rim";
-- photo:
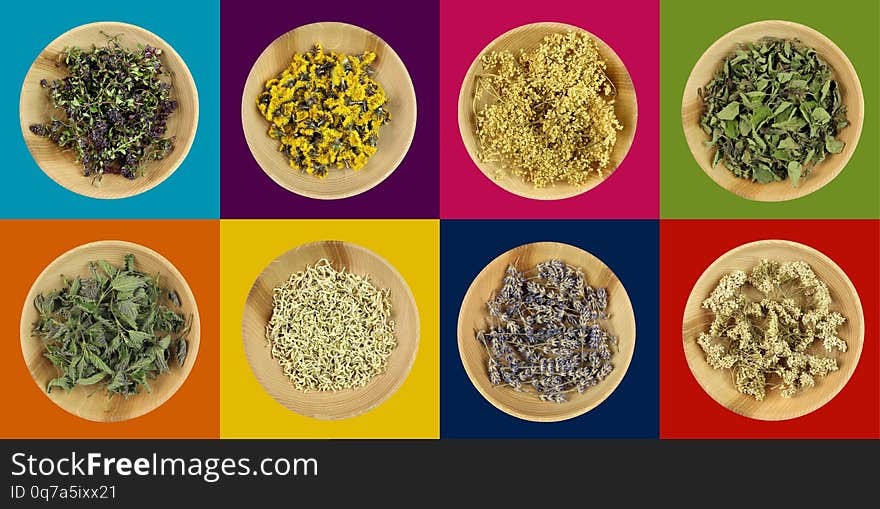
(182, 374)
(795, 246)
(183, 73)
(407, 361)
(750, 189)
(379, 177)
(464, 127)
(512, 410)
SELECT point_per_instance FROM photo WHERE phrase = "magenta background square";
(632, 29)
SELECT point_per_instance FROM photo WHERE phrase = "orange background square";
(192, 246)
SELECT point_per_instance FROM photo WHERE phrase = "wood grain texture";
(35, 107)
(330, 404)
(474, 316)
(394, 137)
(719, 384)
(92, 402)
(704, 70)
(528, 38)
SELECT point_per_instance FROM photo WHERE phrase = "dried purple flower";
(546, 339)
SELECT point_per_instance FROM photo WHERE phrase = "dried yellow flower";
(767, 341)
(550, 112)
(325, 110)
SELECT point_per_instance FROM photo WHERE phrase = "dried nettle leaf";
(113, 328)
(773, 111)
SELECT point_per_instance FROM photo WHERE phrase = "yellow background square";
(247, 246)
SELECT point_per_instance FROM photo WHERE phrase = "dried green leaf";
(788, 143)
(181, 351)
(109, 329)
(794, 172)
(127, 283)
(91, 380)
(729, 112)
(792, 124)
(833, 145)
(821, 116)
(61, 381)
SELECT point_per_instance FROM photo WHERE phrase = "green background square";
(687, 29)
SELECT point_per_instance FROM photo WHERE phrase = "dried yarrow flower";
(325, 110)
(547, 339)
(768, 341)
(550, 116)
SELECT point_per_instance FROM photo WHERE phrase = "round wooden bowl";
(528, 38)
(330, 404)
(35, 107)
(719, 383)
(703, 72)
(474, 316)
(92, 402)
(394, 137)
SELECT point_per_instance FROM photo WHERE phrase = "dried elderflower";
(548, 340)
(551, 112)
(325, 110)
(768, 342)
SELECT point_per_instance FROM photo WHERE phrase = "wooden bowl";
(719, 383)
(474, 316)
(528, 38)
(60, 166)
(394, 137)
(702, 74)
(330, 404)
(88, 402)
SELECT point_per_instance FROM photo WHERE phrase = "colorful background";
(685, 189)
(629, 248)
(247, 411)
(193, 190)
(467, 27)
(658, 260)
(686, 411)
(410, 191)
(193, 411)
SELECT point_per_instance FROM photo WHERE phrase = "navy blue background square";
(630, 249)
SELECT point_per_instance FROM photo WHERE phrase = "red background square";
(687, 247)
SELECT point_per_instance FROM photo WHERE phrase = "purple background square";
(411, 191)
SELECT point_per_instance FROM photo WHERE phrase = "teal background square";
(193, 30)
(687, 29)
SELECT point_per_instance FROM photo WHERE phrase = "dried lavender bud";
(547, 340)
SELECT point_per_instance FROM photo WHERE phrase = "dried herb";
(112, 110)
(330, 329)
(766, 324)
(110, 329)
(550, 116)
(548, 340)
(773, 111)
(325, 110)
